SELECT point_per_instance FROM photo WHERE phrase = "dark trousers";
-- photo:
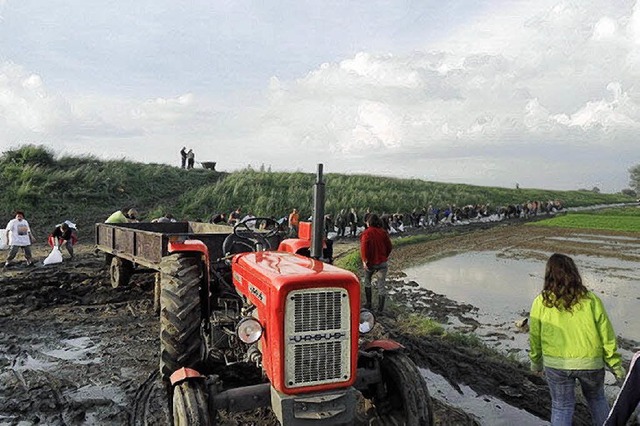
(14, 251)
(629, 396)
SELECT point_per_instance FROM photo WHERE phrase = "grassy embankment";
(86, 190)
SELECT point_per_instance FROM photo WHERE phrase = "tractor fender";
(189, 245)
(182, 374)
(293, 245)
(382, 344)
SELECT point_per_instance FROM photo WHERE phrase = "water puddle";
(502, 287)
(79, 350)
(486, 409)
(27, 362)
(102, 394)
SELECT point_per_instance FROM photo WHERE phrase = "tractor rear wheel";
(405, 399)
(120, 271)
(190, 405)
(181, 341)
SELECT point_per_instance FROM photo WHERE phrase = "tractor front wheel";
(404, 397)
(181, 341)
(120, 271)
(190, 405)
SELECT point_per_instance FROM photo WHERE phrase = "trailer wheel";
(405, 398)
(190, 405)
(121, 271)
(181, 341)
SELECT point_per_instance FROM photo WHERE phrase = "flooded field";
(483, 283)
(502, 285)
(500, 275)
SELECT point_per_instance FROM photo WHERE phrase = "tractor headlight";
(249, 330)
(367, 321)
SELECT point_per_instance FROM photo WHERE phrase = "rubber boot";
(381, 300)
(367, 292)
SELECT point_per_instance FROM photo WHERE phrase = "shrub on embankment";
(86, 190)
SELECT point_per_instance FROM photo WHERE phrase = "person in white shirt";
(19, 237)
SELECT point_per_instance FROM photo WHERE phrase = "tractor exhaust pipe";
(317, 219)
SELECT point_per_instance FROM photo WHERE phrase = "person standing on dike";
(183, 157)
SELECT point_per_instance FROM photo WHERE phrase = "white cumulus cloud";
(543, 93)
(565, 75)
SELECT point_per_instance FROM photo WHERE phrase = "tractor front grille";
(317, 337)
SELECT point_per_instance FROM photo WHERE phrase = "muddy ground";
(74, 350)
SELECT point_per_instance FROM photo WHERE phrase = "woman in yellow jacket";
(571, 338)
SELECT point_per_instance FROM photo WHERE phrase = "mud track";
(74, 351)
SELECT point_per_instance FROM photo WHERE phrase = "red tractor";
(228, 299)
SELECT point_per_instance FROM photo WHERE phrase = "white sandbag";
(3, 240)
(54, 257)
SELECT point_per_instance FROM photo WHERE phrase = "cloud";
(24, 103)
(568, 76)
(30, 112)
(605, 28)
(543, 93)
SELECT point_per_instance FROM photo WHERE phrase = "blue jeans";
(562, 385)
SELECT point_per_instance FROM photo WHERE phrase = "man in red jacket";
(375, 248)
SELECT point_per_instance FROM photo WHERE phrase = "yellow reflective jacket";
(117, 217)
(582, 339)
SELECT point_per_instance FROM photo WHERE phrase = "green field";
(619, 219)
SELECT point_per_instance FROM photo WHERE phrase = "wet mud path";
(75, 351)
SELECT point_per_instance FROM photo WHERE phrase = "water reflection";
(503, 288)
(487, 409)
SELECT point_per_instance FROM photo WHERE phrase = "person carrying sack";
(63, 235)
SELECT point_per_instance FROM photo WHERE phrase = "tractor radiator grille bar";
(317, 337)
(317, 311)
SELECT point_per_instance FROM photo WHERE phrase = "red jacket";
(375, 246)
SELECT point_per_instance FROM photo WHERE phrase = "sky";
(542, 93)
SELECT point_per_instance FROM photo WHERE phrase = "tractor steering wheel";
(246, 238)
